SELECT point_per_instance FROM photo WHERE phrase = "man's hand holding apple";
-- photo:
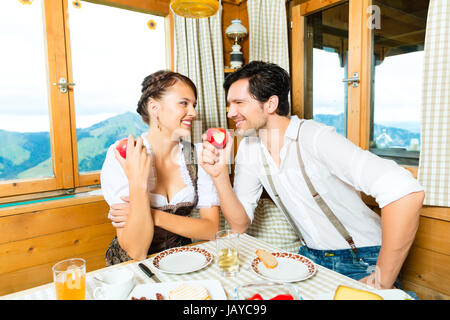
(216, 153)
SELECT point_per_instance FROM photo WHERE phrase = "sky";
(398, 86)
(113, 50)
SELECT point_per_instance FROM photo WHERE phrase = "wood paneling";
(41, 274)
(433, 235)
(42, 222)
(428, 269)
(311, 6)
(298, 62)
(34, 237)
(156, 7)
(53, 247)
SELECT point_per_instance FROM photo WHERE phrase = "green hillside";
(28, 155)
(93, 142)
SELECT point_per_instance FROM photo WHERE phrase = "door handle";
(355, 80)
(63, 85)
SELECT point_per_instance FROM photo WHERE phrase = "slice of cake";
(189, 291)
(348, 293)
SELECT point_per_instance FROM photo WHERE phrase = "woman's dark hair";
(265, 80)
(155, 85)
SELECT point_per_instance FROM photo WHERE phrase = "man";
(352, 239)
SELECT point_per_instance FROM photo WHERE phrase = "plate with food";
(282, 266)
(182, 259)
(186, 290)
(349, 293)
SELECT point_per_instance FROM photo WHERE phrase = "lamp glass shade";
(194, 8)
(236, 29)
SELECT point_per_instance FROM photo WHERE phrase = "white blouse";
(114, 182)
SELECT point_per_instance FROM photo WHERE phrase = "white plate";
(182, 260)
(149, 291)
(291, 268)
(388, 294)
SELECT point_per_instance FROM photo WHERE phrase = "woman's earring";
(157, 123)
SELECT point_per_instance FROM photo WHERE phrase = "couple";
(312, 174)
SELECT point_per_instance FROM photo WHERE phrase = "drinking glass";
(227, 251)
(70, 279)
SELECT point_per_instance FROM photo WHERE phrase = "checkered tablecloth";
(324, 281)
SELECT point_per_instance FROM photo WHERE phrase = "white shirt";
(337, 168)
(114, 182)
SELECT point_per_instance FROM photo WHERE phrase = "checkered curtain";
(199, 56)
(434, 164)
(268, 32)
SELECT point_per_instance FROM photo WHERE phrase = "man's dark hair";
(265, 80)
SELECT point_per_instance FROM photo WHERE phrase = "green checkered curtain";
(199, 56)
(434, 164)
(268, 32)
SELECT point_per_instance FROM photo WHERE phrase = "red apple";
(122, 147)
(217, 137)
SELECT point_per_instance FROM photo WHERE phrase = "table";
(324, 281)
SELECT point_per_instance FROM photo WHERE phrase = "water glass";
(227, 252)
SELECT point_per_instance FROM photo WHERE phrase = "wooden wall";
(426, 269)
(34, 237)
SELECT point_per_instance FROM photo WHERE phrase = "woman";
(157, 217)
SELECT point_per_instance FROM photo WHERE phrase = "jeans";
(355, 266)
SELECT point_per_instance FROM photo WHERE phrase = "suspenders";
(316, 196)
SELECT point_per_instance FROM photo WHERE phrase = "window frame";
(360, 60)
(63, 139)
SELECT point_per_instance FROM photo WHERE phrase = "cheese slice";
(348, 293)
(187, 291)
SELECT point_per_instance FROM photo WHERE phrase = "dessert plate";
(291, 268)
(182, 260)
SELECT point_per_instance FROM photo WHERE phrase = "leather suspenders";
(316, 196)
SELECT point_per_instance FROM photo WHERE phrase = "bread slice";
(267, 258)
(348, 293)
(188, 291)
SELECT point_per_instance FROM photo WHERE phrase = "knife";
(148, 272)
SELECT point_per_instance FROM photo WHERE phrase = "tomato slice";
(256, 297)
(283, 297)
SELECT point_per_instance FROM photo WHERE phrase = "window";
(113, 50)
(357, 66)
(24, 122)
(327, 35)
(56, 139)
(398, 44)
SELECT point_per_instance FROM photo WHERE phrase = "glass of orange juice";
(70, 279)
